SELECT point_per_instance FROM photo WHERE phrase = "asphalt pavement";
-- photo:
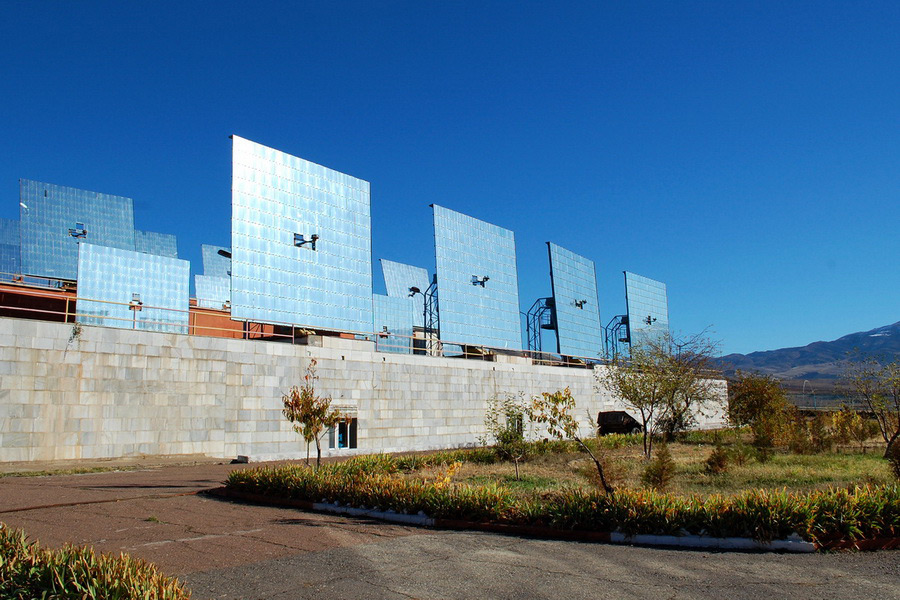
(224, 549)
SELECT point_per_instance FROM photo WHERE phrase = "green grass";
(525, 483)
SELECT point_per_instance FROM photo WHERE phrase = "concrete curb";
(794, 545)
(702, 541)
(389, 515)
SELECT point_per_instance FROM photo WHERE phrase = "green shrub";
(660, 470)
(29, 571)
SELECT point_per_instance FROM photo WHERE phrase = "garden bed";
(384, 485)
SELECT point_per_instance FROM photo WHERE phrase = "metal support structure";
(432, 318)
(540, 316)
(617, 336)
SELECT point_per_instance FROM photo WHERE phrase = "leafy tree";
(505, 423)
(695, 388)
(759, 402)
(555, 412)
(876, 386)
(310, 414)
(666, 382)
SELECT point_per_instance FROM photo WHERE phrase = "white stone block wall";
(112, 392)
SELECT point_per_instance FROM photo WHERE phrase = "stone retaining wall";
(106, 393)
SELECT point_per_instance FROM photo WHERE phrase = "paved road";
(229, 550)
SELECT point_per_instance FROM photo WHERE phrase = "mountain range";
(820, 364)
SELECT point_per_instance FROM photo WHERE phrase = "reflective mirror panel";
(477, 281)
(648, 308)
(574, 281)
(325, 281)
(54, 219)
(132, 290)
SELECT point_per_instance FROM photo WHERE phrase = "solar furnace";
(477, 281)
(54, 219)
(574, 282)
(132, 290)
(300, 240)
(648, 308)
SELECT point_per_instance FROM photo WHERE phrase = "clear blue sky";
(747, 154)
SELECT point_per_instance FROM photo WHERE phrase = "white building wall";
(108, 393)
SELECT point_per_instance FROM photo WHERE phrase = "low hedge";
(861, 512)
(29, 571)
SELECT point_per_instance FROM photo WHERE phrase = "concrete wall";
(112, 392)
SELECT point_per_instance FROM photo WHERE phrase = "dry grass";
(625, 465)
(72, 471)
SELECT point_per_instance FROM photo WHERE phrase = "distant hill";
(820, 362)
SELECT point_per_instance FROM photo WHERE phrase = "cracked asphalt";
(223, 549)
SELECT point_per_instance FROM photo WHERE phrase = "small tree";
(311, 415)
(876, 386)
(555, 412)
(658, 473)
(505, 422)
(758, 401)
(665, 381)
(717, 461)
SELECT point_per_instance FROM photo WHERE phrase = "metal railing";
(202, 321)
(825, 402)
